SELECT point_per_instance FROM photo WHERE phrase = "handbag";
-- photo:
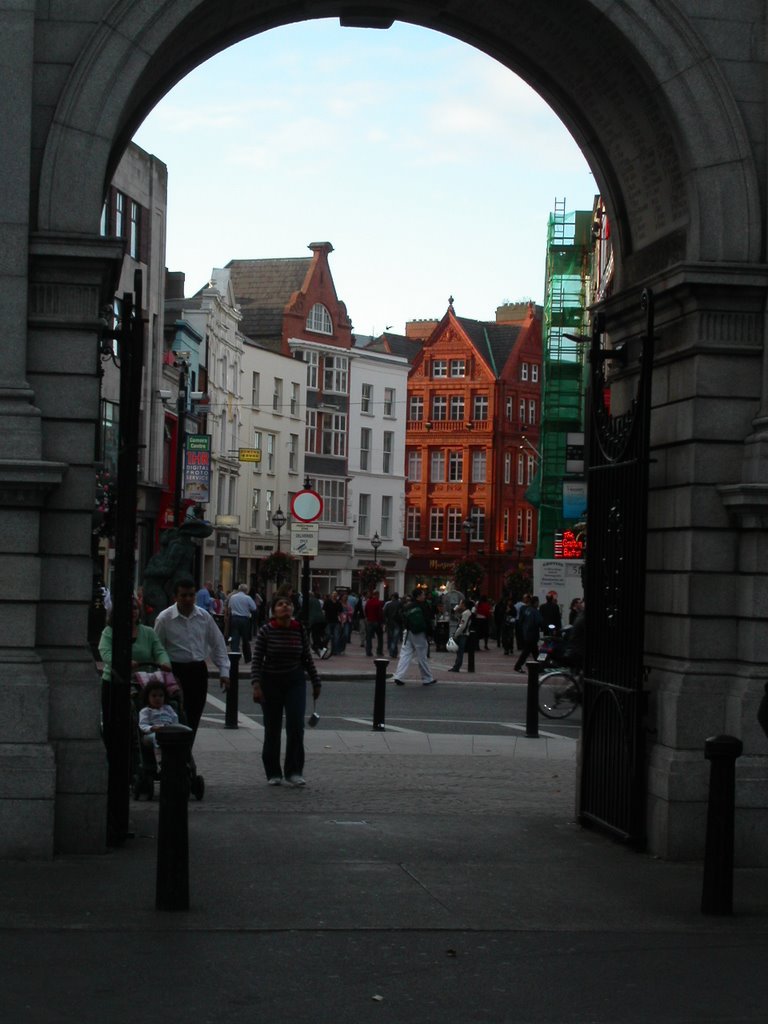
(451, 645)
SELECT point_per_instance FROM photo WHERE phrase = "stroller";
(144, 767)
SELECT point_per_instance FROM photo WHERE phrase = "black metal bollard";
(470, 649)
(230, 714)
(532, 700)
(172, 883)
(717, 886)
(380, 693)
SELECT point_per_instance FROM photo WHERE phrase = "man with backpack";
(393, 621)
(416, 642)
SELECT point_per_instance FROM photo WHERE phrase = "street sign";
(304, 540)
(249, 454)
(306, 506)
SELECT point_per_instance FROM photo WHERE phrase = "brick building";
(474, 400)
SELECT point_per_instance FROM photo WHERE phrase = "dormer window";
(319, 319)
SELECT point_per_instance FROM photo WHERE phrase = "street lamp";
(520, 546)
(376, 544)
(467, 528)
(279, 521)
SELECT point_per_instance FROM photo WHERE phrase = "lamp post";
(520, 547)
(375, 544)
(279, 521)
(467, 528)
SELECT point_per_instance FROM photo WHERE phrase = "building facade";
(474, 400)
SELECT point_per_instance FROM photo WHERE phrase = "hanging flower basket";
(276, 566)
(467, 573)
(518, 581)
(105, 504)
(371, 575)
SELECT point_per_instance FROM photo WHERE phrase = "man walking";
(240, 609)
(190, 636)
(416, 644)
(374, 624)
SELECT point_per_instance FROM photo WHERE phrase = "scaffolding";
(564, 361)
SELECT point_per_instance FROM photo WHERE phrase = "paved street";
(433, 872)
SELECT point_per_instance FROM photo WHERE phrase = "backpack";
(415, 620)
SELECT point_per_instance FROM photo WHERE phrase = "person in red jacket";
(374, 624)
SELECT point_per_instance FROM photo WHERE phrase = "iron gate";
(612, 786)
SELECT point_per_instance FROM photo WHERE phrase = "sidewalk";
(415, 879)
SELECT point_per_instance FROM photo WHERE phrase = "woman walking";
(282, 658)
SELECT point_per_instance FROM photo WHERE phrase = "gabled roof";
(262, 289)
(396, 345)
(493, 341)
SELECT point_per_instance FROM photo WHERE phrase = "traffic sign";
(304, 540)
(306, 506)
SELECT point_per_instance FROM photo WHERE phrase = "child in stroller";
(158, 701)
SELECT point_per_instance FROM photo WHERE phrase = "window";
(436, 523)
(257, 441)
(255, 509)
(389, 401)
(277, 396)
(319, 319)
(478, 466)
(455, 466)
(531, 470)
(439, 368)
(532, 412)
(365, 448)
(439, 407)
(271, 445)
(414, 465)
(334, 495)
(389, 444)
(269, 505)
(520, 468)
(437, 467)
(334, 434)
(104, 222)
(519, 524)
(295, 398)
(366, 399)
(310, 434)
(509, 409)
(477, 518)
(535, 373)
(133, 240)
(335, 375)
(521, 410)
(312, 360)
(524, 371)
(458, 367)
(506, 526)
(386, 516)
(255, 388)
(413, 523)
(364, 515)
(221, 491)
(528, 526)
(293, 454)
(119, 214)
(454, 524)
(457, 407)
(416, 407)
(480, 407)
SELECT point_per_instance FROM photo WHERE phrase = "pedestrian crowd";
(279, 643)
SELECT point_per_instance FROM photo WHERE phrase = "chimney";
(174, 284)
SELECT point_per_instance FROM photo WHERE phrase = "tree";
(467, 573)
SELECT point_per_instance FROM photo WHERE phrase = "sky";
(431, 168)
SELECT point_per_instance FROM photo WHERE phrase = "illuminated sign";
(197, 468)
(249, 454)
(568, 544)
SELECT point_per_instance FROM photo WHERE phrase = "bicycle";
(559, 693)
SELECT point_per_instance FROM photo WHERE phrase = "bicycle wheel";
(559, 694)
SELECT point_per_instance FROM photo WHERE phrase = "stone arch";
(672, 127)
(637, 88)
